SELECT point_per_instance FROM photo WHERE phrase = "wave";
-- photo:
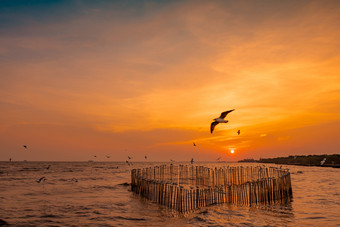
(131, 219)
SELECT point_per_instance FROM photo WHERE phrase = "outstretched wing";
(40, 179)
(212, 126)
(224, 114)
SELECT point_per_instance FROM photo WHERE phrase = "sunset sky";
(119, 78)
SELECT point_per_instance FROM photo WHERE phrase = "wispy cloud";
(167, 69)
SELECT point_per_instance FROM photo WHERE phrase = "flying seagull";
(25, 146)
(323, 161)
(220, 119)
(129, 157)
(238, 132)
(42, 178)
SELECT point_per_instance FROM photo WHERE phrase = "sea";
(98, 194)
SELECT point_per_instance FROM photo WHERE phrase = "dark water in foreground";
(96, 197)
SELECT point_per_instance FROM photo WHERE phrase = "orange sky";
(80, 79)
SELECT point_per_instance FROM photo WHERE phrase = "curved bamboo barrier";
(186, 188)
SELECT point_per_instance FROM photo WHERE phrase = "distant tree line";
(314, 160)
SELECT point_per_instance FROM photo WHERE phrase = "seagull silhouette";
(238, 132)
(145, 157)
(48, 167)
(218, 158)
(42, 178)
(10, 159)
(192, 161)
(25, 146)
(129, 157)
(194, 144)
(220, 119)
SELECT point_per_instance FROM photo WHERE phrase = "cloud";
(168, 69)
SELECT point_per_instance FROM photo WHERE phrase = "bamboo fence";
(186, 188)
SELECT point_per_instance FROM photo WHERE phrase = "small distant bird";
(145, 157)
(95, 156)
(129, 157)
(10, 159)
(108, 156)
(323, 161)
(25, 146)
(220, 119)
(192, 161)
(75, 179)
(41, 179)
(238, 132)
(48, 167)
(194, 145)
(171, 160)
(218, 158)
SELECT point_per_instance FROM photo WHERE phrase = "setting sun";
(127, 113)
(117, 76)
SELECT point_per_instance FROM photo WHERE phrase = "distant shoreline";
(302, 160)
(297, 164)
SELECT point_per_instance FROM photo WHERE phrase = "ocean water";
(96, 194)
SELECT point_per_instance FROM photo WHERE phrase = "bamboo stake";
(238, 185)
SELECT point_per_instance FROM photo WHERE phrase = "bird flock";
(220, 119)
(216, 121)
